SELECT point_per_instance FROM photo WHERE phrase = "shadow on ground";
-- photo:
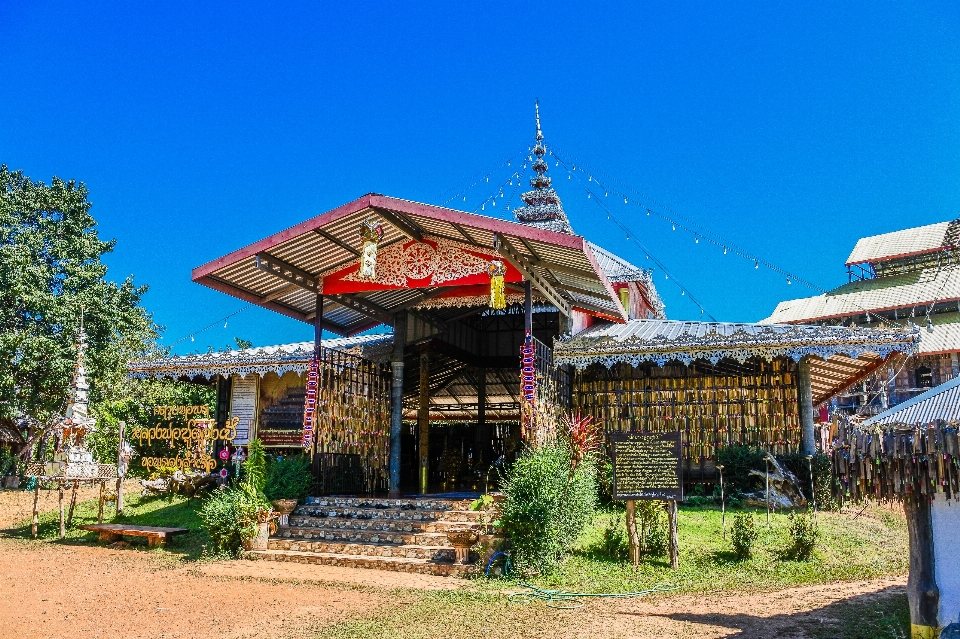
(883, 614)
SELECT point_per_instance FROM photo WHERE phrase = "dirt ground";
(53, 590)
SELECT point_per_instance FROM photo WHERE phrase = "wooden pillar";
(318, 324)
(922, 591)
(423, 421)
(63, 530)
(103, 490)
(483, 429)
(36, 508)
(674, 534)
(73, 502)
(632, 536)
(120, 476)
(805, 405)
(396, 400)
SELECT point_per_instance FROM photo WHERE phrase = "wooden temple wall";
(711, 407)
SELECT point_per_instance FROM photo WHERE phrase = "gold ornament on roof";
(496, 270)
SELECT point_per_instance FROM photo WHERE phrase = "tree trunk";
(922, 590)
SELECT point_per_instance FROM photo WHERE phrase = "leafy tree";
(50, 270)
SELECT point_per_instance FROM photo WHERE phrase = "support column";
(483, 430)
(805, 405)
(396, 400)
(923, 594)
(423, 421)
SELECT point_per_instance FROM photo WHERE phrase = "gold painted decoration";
(496, 270)
(371, 232)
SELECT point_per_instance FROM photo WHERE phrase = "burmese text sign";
(647, 466)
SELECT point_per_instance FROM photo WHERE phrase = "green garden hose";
(571, 600)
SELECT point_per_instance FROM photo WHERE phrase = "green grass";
(177, 512)
(870, 546)
(850, 548)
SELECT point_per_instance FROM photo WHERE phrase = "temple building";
(895, 279)
(490, 332)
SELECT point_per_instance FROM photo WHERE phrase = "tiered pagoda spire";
(542, 207)
(77, 422)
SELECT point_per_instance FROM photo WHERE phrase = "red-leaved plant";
(583, 435)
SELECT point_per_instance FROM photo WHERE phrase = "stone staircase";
(403, 535)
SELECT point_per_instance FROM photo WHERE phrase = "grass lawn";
(142, 511)
(850, 548)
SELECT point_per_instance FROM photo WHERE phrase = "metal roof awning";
(842, 356)
(286, 271)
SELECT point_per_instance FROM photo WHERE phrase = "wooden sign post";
(648, 466)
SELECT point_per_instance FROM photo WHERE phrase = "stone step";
(408, 551)
(397, 564)
(385, 525)
(368, 514)
(353, 535)
(412, 503)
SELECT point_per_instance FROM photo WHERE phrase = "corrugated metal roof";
(278, 358)
(941, 402)
(882, 293)
(899, 243)
(328, 243)
(842, 355)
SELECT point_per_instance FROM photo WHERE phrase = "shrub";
(743, 535)
(549, 501)
(615, 544)
(823, 479)
(288, 478)
(737, 463)
(803, 534)
(255, 468)
(232, 515)
(8, 462)
(653, 529)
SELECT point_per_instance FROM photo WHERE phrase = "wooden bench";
(156, 535)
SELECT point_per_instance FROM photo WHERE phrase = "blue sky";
(789, 129)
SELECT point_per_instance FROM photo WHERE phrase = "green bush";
(288, 478)
(8, 462)
(803, 534)
(548, 504)
(255, 468)
(743, 535)
(737, 462)
(797, 464)
(614, 543)
(652, 527)
(232, 515)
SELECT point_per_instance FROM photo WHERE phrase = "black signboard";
(647, 466)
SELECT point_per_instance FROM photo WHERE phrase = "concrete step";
(352, 535)
(397, 564)
(408, 551)
(412, 503)
(380, 514)
(384, 525)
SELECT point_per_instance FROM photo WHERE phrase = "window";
(924, 377)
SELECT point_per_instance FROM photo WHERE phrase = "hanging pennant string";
(684, 291)
(209, 326)
(497, 192)
(483, 177)
(700, 233)
(674, 219)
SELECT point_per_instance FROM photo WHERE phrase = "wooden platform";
(156, 535)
